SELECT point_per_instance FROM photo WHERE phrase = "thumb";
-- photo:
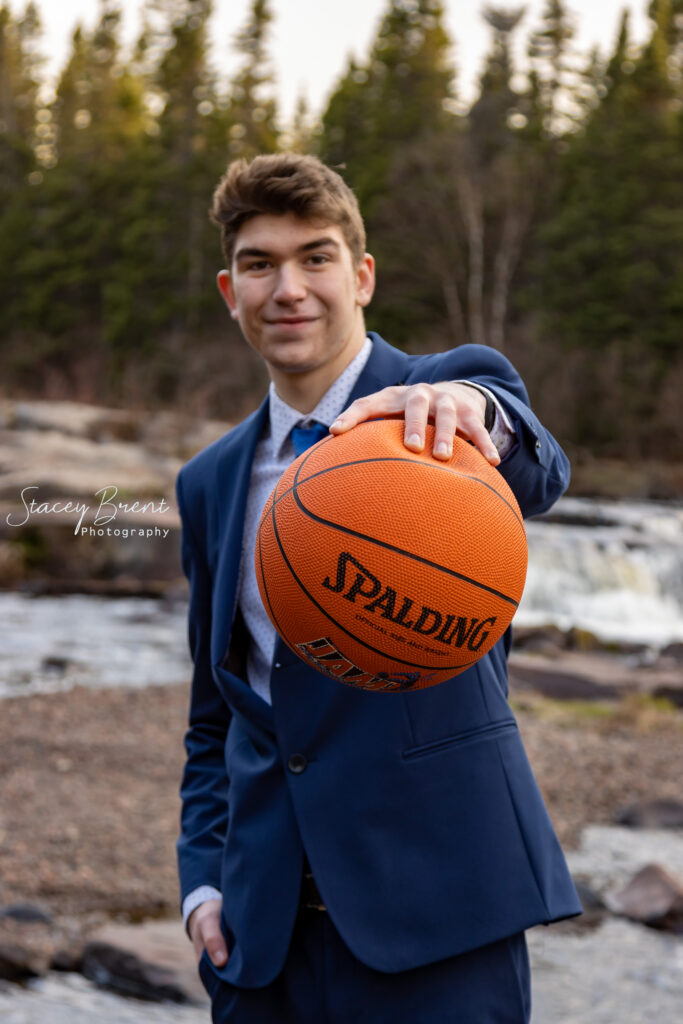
(217, 950)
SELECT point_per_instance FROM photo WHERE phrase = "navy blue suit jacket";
(420, 816)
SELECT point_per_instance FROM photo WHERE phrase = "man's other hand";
(454, 408)
(204, 926)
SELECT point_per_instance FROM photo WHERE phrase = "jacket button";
(297, 764)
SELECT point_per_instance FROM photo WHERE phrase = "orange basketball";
(386, 569)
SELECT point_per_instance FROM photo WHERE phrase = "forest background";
(546, 219)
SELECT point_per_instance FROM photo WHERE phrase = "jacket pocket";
(458, 739)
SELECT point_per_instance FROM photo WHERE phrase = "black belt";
(310, 898)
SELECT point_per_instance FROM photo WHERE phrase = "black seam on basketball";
(375, 650)
(401, 551)
(392, 458)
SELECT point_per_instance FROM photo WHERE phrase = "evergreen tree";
(463, 200)
(20, 67)
(609, 261)
(301, 137)
(252, 107)
(20, 135)
(490, 114)
(549, 55)
(71, 252)
(400, 96)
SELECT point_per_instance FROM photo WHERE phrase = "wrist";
(488, 405)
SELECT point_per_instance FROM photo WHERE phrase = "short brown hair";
(286, 183)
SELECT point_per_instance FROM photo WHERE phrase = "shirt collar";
(283, 417)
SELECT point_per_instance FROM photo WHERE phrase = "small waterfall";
(615, 569)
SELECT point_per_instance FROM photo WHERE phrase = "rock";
(28, 913)
(55, 663)
(673, 652)
(582, 640)
(610, 855)
(576, 515)
(548, 640)
(674, 694)
(652, 814)
(125, 973)
(653, 897)
(551, 641)
(18, 964)
(153, 961)
(560, 683)
(26, 946)
(593, 675)
(67, 961)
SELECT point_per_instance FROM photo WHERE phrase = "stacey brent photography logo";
(94, 520)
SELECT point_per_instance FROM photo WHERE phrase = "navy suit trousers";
(323, 983)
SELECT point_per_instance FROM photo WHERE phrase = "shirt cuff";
(195, 899)
(502, 432)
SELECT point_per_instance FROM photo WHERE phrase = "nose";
(290, 286)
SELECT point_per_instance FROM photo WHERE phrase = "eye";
(318, 259)
(257, 265)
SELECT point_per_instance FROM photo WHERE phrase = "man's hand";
(205, 931)
(455, 409)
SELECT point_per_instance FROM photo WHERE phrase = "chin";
(295, 357)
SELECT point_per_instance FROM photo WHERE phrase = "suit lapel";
(233, 473)
(385, 367)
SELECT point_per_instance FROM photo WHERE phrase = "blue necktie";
(304, 437)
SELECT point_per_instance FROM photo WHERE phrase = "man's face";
(297, 295)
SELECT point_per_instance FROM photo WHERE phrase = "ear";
(365, 280)
(226, 288)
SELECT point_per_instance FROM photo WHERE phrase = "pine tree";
(71, 250)
(301, 136)
(21, 133)
(20, 69)
(252, 107)
(550, 55)
(401, 95)
(609, 261)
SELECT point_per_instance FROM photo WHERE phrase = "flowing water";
(53, 643)
(615, 569)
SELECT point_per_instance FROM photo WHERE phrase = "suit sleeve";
(536, 468)
(204, 786)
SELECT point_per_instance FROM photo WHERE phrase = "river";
(614, 568)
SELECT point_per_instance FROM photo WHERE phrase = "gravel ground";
(89, 818)
(89, 812)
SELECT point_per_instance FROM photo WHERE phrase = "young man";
(344, 855)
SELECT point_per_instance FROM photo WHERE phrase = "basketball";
(386, 569)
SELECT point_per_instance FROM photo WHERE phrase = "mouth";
(291, 321)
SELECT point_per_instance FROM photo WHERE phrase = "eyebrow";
(317, 243)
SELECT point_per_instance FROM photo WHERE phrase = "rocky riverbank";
(90, 806)
(115, 469)
(90, 773)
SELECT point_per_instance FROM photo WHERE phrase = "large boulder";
(653, 897)
(153, 961)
